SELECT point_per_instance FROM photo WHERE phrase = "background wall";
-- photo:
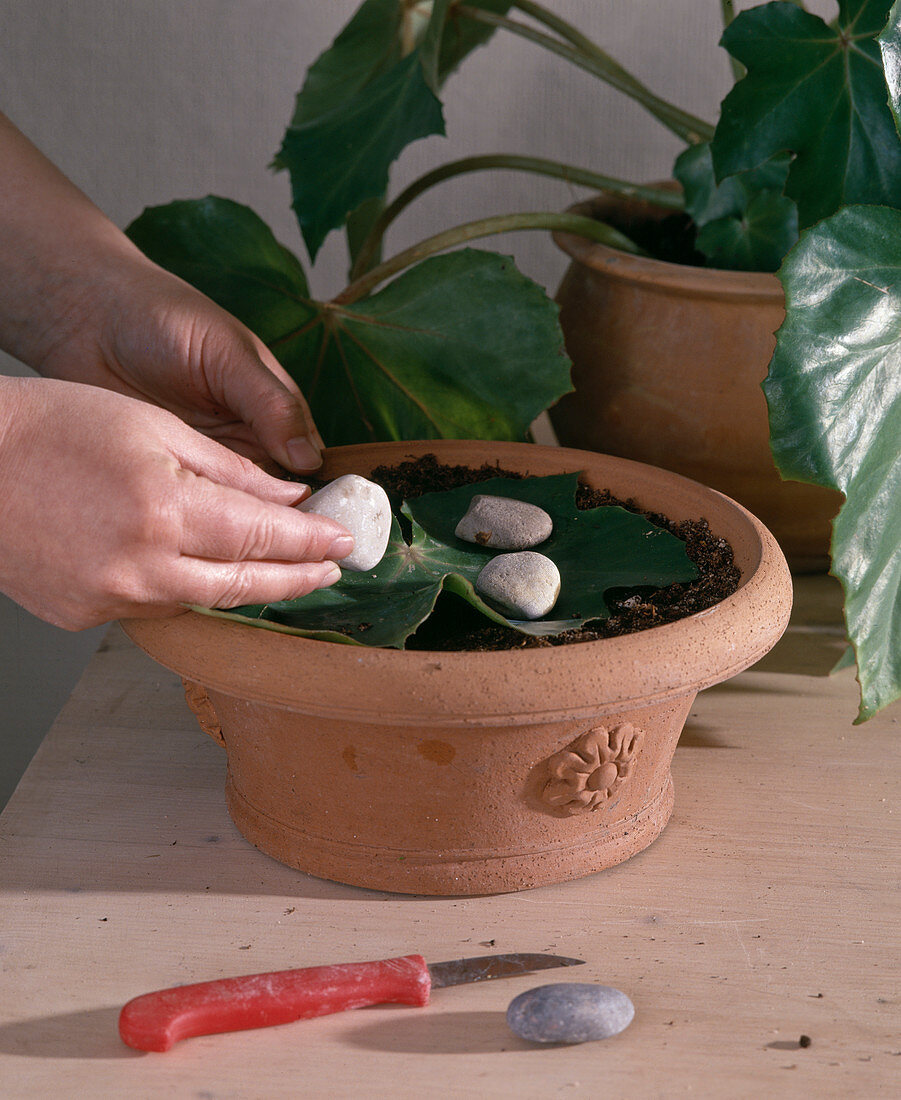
(142, 102)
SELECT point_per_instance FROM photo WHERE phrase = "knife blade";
(157, 1021)
(485, 968)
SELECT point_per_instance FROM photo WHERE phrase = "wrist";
(77, 292)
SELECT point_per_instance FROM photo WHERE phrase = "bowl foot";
(450, 872)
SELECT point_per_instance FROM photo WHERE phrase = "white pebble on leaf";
(364, 509)
(503, 523)
(524, 585)
(569, 1012)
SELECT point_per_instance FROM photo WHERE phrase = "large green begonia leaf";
(460, 346)
(229, 253)
(817, 91)
(369, 45)
(382, 607)
(368, 96)
(595, 550)
(834, 391)
(341, 158)
(745, 222)
(890, 45)
(758, 240)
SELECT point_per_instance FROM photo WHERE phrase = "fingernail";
(341, 547)
(334, 574)
(303, 453)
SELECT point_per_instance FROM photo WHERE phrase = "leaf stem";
(728, 9)
(574, 36)
(687, 126)
(582, 177)
(484, 227)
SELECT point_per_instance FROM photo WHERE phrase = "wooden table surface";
(767, 910)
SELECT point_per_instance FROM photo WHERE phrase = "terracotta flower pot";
(465, 773)
(667, 365)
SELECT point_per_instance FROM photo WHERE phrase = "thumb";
(266, 398)
(283, 423)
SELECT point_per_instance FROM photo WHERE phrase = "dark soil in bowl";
(456, 625)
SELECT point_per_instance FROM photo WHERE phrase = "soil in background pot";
(670, 238)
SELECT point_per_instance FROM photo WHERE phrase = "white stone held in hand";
(364, 509)
(503, 523)
(524, 585)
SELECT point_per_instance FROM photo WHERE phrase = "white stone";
(503, 523)
(524, 585)
(364, 509)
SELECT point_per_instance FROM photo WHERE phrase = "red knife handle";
(156, 1021)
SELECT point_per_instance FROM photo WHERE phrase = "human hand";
(145, 333)
(113, 508)
(78, 301)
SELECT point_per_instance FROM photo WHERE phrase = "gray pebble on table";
(569, 1012)
(502, 523)
(364, 509)
(525, 585)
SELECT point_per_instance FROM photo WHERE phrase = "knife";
(156, 1021)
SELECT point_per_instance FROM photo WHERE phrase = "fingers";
(220, 464)
(184, 582)
(225, 524)
(225, 584)
(245, 554)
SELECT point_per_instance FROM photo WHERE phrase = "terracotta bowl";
(471, 773)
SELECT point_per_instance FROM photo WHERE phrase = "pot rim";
(711, 282)
(530, 685)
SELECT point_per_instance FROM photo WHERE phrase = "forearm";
(79, 302)
(58, 253)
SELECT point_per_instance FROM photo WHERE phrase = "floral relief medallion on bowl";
(583, 777)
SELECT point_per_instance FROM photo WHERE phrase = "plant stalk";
(484, 227)
(728, 9)
(672, 200)
(687, 126)
(574, 36)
